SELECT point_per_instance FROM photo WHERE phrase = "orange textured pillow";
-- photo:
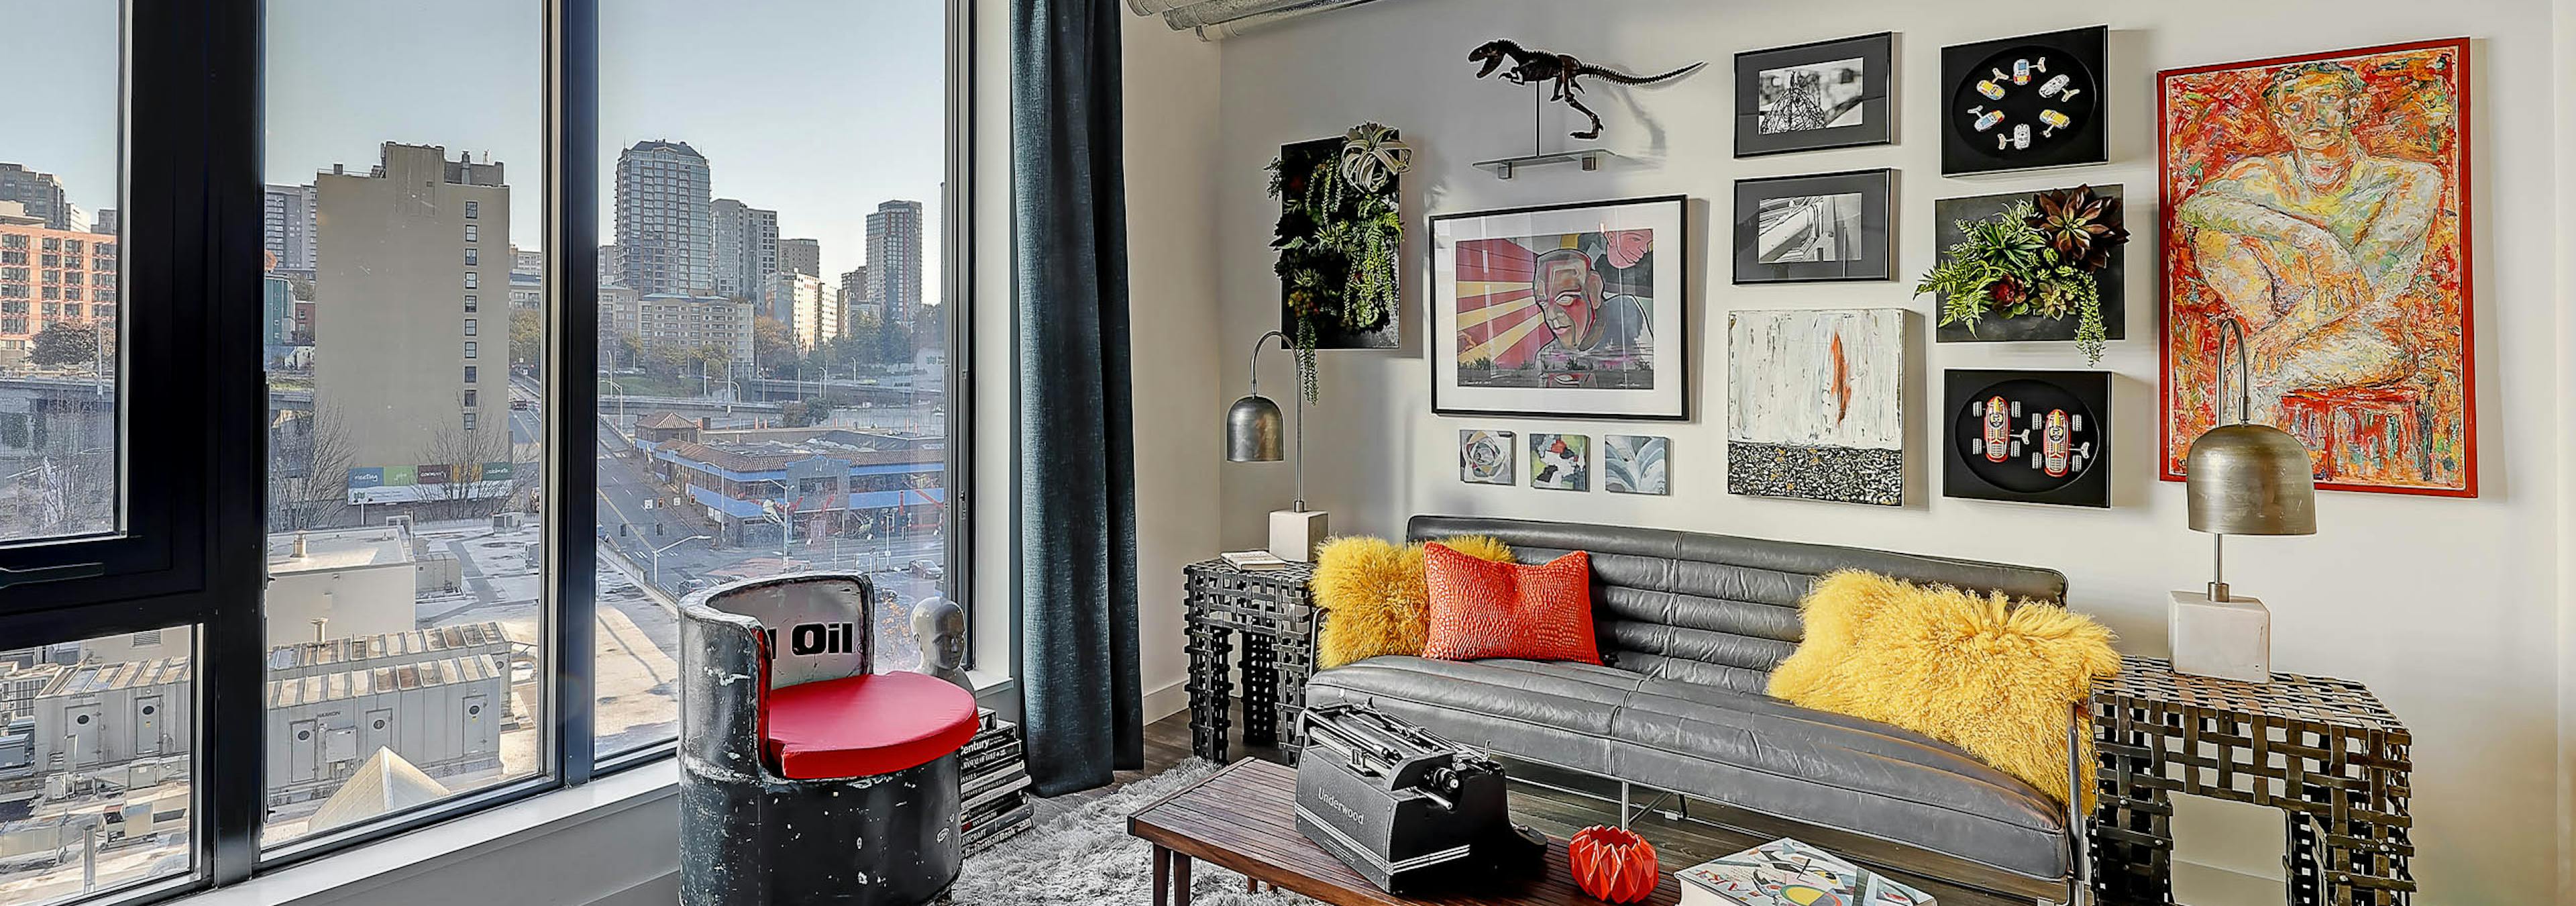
(1481, 609)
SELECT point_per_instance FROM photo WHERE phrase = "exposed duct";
(1217, 20)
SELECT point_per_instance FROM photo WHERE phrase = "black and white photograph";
(1797, 229)
(1809, 228)
(1830, 94)
(1812, 96)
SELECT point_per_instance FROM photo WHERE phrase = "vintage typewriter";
(1407, 810)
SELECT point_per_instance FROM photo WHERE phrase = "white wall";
(2448, 608)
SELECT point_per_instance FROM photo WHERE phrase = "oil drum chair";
(805, 776)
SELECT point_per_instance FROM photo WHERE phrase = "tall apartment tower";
(801, 256)
(41, 193)
(809, 307)
(894, 260)
(286, 226)
(665, 219)
(746, 247)
(854, 296)
(401, 356)
(108, 222)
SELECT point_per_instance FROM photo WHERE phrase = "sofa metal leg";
(1624, 809)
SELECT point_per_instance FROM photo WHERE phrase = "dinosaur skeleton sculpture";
(1533, 66)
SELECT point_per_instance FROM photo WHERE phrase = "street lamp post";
(657, 555)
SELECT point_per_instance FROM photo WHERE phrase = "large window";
(767, 407)
(290, 561)
(405, 606)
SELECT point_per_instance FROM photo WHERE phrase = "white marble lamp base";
(1294, 534)
(2229, 639)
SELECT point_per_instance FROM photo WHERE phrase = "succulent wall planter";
(2012, 268)
(1339, 240)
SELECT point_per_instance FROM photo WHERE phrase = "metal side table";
(2323, 751)
(1277, 620)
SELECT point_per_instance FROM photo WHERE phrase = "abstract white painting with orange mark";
(1815, 404)
(1571, 311)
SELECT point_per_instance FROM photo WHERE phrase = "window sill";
(347, 875)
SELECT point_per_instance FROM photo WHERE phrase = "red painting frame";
(2167, 467)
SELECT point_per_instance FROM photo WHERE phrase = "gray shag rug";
(1085, 857)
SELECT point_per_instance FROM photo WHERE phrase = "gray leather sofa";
(1691, 625)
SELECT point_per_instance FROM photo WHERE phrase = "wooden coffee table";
(1244, 817)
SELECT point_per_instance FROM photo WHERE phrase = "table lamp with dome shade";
(1252, 434)
(2240, 479)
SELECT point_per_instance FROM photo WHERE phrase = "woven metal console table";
(2323, 751)
(1277, 620)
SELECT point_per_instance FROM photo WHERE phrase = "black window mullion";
(572, 372)
(226, 35)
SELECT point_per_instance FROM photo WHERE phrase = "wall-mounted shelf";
(1503, 168)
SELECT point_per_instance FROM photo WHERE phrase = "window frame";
(194, 550)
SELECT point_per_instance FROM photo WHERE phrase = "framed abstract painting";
(2320, 204)
(1816, 404)
(1574, 311)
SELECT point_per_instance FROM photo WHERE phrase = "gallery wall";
(2448, 608)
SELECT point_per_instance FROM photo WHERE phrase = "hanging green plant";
(2039, 258)
(1338, 238)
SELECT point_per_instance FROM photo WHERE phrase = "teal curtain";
(1075, 485)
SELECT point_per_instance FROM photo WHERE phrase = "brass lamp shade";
(2249, 479)
(1252, 430)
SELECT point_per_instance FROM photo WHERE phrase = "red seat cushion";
(862, 726)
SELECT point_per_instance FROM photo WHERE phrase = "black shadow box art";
(2028, 436)
(2024, 103)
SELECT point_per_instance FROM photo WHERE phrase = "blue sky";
(818, 109)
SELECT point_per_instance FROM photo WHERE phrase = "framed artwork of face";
(1569, 310)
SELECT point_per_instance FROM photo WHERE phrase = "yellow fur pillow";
(1374, 592)
(1998, 680)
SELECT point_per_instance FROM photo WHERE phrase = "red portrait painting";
(2319, 205)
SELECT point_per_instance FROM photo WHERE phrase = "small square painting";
(1560, 462)
(1485, 457)
(1633, 464)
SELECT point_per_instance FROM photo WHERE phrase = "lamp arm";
(1254, 363)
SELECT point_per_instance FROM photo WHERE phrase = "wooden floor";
(1556, 802)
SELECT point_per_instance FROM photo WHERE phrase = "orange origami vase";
(1612, 864)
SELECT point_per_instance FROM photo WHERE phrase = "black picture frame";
(2112, 278)
(2020, 475)
(1869, 254)
(1672, 264)
(1872, 109)
(1969, 95)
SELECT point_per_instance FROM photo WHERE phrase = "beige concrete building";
(801, 256)
(407, 356)
(665, 321)
(809, 307)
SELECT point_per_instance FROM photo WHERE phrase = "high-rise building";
(286, 226)
(665, 219)
(400, 356)
(802, 256)
(40, 193)
(107, 222)
(746, 247)
(612, 265)
(854, 296)
(894, 260)
(809, 307)
(50, 276)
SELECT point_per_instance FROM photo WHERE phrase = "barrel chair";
(805, 777)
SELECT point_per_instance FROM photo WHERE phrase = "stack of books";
(1785, 872)
(994, 781)
(1254, 561)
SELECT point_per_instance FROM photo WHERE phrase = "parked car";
(519, 405)
(924, 569)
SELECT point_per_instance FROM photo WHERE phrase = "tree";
(308, 472)
(794, 414)
(773, 344)
(63, 344)
(527, 337)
